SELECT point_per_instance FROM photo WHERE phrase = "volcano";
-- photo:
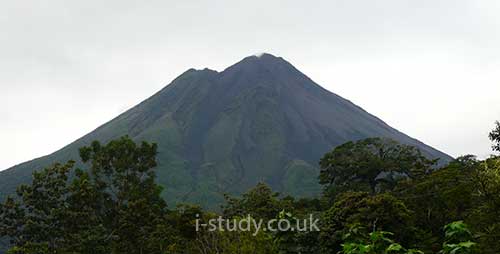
(259, 120)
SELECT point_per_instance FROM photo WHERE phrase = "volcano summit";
(260, 119)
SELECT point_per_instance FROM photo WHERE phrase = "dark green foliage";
(381, 212)
(357, 241)
(113, 207)
(458, 239)
(485, 215)
(495, 136)
(39, 218)
(128, 198)
(260, 202)
(372, 165)
(229, 242)
(468, 190)
(439, 198)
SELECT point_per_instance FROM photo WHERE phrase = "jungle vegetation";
(379, 196)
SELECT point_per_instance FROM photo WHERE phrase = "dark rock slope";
(222, 132)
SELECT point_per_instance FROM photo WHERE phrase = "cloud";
(69, 66)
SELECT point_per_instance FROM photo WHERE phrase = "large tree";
(112, 207)
(37, 221)
(373, 212)
(372, 164)
(122, 172)
(260, 202)
(439, 198)
(485, 216)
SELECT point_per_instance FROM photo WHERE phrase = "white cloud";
(428, 68)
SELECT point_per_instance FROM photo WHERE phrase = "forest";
(378, 197)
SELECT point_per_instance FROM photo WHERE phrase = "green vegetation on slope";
(260, 120)
(115, 206)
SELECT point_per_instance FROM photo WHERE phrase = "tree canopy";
(380, 197)
(373, 165)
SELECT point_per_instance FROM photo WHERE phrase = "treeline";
(379, 197)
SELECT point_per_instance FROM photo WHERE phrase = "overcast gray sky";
(430, 68)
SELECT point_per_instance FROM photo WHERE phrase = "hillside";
(261, 119)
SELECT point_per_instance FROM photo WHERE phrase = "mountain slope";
(222, 132)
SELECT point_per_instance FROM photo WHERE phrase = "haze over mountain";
(222, 132)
